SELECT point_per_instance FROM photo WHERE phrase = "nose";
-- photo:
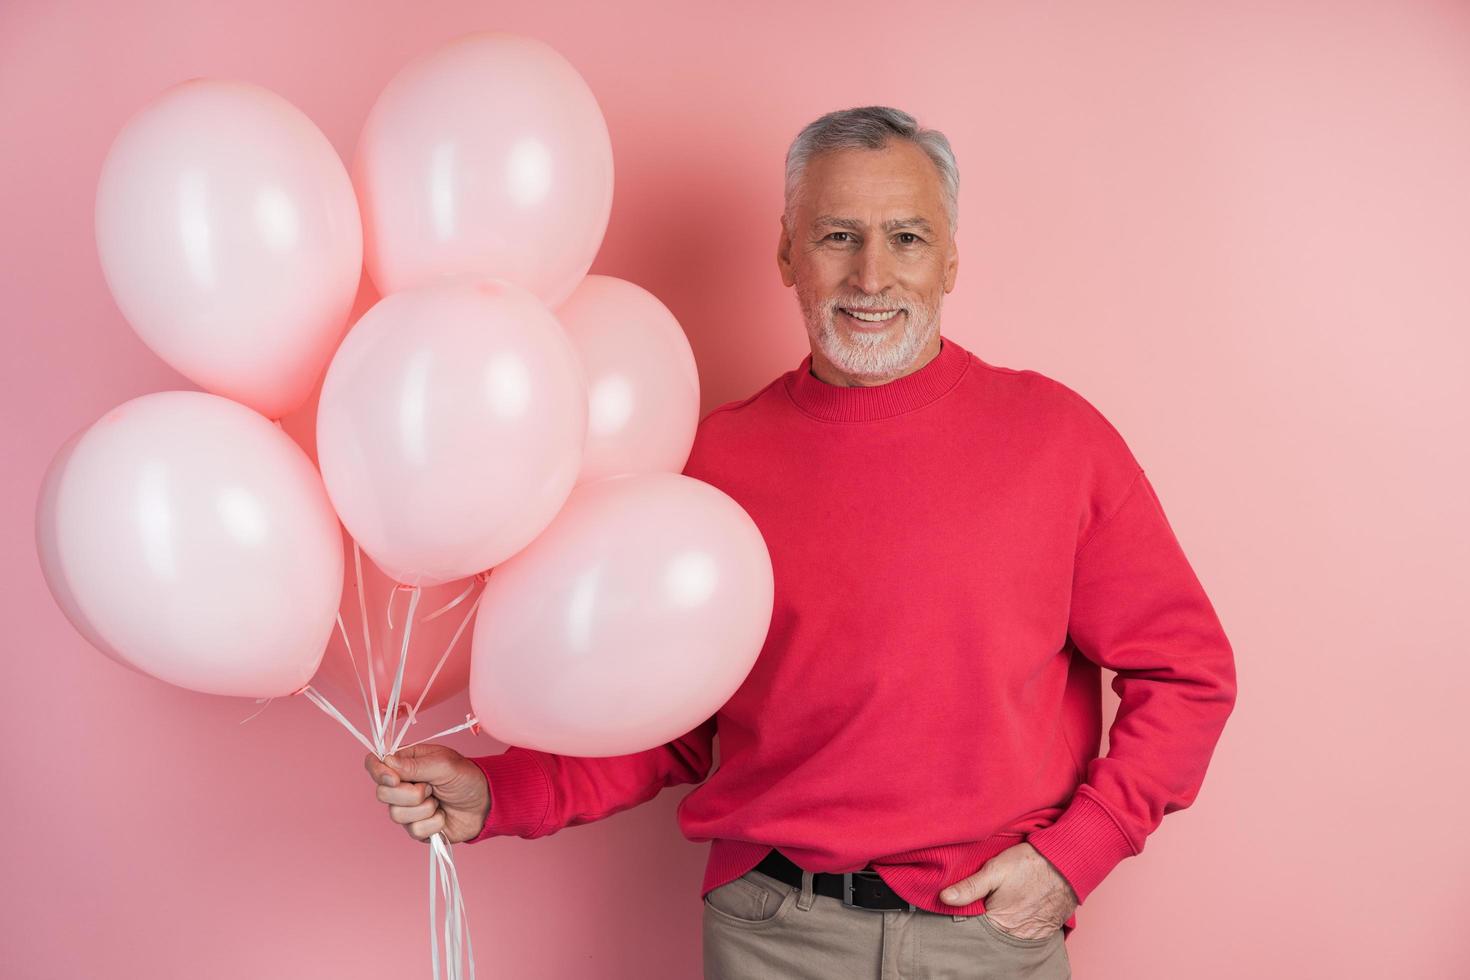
(872, 269)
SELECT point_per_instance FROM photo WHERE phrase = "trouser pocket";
(753, 900)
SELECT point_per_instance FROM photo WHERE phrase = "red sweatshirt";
(957, 554)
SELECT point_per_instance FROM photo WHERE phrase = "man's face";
(870, 236)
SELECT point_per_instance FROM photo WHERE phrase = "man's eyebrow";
(893, 224)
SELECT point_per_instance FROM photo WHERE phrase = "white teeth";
(871, 317)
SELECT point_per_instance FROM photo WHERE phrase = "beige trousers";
(760, 928)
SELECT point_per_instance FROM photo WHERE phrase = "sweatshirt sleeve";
(1139, 609)
(535, 794)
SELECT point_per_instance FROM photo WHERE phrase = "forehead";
(872, 183)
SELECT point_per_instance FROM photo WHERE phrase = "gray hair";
(870, 128)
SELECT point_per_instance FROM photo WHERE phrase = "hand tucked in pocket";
(1024, 894)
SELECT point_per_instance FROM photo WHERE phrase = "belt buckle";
(847, 894)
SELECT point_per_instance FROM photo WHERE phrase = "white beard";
(875, 355)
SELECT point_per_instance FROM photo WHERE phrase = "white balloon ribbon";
(384, 737)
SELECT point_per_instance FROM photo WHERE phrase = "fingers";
(422, 830)
(411, 804)
(381, 774)
(424, 763)
(413, 814)
(405, 794)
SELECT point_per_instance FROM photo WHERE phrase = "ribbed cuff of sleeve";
(1084, 844)
(520, 794)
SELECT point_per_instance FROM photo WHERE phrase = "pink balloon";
(188, 536)
(428, 639)
(229, 235)
(628, 622)
(642, 382)
(487, 156)
(450, 427)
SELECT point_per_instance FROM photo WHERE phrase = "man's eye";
(914, 239)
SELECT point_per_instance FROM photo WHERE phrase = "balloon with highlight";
(450, 427)
(488, 156)
(627, 623)
(229, 236)
(187, 536)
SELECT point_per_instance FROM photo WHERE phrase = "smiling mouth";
(869, 316)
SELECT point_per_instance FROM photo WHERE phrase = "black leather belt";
(856, 889)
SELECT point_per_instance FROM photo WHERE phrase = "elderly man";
(909, 782)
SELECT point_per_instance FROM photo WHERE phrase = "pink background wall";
(1241, 230)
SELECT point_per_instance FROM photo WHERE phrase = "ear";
(952, 266)
(783, 255)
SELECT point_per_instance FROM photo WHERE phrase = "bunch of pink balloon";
(499, 419)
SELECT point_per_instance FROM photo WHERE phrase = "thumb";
(420, 764)
(973, 888)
